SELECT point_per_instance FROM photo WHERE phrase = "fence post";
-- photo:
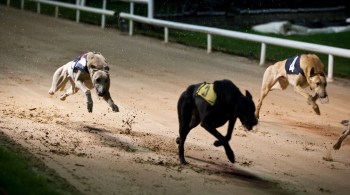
(166, 35)
(103, 17)
(209, 43)
(38, 8)
(77, 13)
(56, 12)
(131, 23)
(262, 54)
(8, 3)
(150, 8)
(330, 68)
(22, 4)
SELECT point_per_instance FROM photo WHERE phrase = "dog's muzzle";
(323, 97)
(250, 126)
(101, 91)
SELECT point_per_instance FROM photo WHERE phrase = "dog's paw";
(115, 108)
(184, 162)
(345, 122)
(316, 109)
(218, 143)
(336, 146)
(229, 153)
(178, 140)
(89, 106)
(63, 97)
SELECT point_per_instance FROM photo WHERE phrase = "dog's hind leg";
(71, 90)
(343, 136)
(269, 81)
(59, 80)
(188, 119)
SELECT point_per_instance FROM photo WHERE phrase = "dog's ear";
(248, 95)
(312, 72)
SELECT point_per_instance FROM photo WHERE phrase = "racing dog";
(343, 135)
(300, 71)
(212, 105)
(86, 72)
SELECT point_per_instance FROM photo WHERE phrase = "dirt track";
(134, 151)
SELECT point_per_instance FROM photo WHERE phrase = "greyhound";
(343, 135)
(300, 71)
(86, 72)
(213, 105)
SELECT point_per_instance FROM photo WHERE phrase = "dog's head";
(246, 111)
(318, 83)
(95, 60)
(101, 81)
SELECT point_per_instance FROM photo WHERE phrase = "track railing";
(78, 7)
(264, 40)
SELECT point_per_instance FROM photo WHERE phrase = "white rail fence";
(79, 6)
(264, 40)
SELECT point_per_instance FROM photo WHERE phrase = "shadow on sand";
(238, 175)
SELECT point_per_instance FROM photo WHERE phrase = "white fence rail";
(264, 40)
(78, 7)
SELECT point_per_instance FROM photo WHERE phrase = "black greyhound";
(228, 105)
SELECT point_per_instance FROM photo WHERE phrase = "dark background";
(245, 13)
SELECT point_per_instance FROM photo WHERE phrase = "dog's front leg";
(310, 100)
(228, 136)
(89, 100)
(71, 90)
(212, 130)
(109, 100)
(81, 86)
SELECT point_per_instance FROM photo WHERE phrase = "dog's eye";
(98, 80)
(318, 83)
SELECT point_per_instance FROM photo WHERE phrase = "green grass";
(223, 44)
(21, 173)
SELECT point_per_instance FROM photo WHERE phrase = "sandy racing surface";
(134, 151)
